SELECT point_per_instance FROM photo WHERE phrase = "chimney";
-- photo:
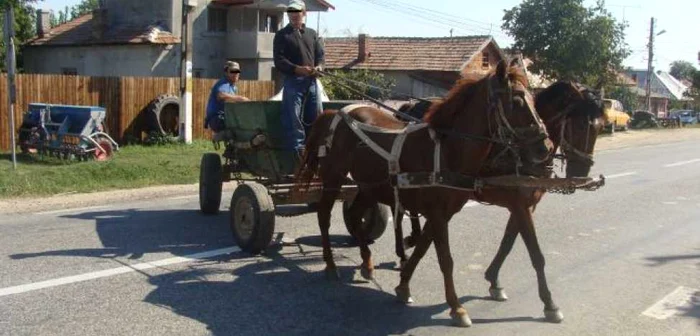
(99, 22)
(43, 22)
(362, 51)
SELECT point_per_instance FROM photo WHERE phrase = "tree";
(382, 86)
(567, 41)
(625, 96)
(72, 13)
(25, 27)
(682, 70)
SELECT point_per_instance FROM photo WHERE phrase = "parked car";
(687, 117)
(615, 116)
(643, 119)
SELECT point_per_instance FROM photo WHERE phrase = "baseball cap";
(296, 5)
(231, 65)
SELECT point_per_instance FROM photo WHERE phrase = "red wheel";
(106, 154)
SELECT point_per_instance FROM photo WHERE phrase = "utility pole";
(650, 66)
(186, 72)
(10, 65)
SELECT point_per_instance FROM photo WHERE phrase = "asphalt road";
(623, 260)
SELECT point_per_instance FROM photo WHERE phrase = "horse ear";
(514, 62)
(502, 71)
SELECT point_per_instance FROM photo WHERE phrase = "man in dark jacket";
(298, 55)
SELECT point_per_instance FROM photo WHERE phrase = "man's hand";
(304, 70)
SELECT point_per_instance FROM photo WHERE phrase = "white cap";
(296, 5)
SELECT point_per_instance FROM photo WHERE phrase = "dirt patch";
(632, 138)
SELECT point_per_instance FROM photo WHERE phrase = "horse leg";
(398, 239)
(325, 205)
(403, 291)
(527, 231)
(410, 241)
(458, 313)
(355, 213)
(496, 291)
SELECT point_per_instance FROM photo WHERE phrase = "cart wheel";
(252, 217)
(106, 154)
(210, 183)
(376, 218)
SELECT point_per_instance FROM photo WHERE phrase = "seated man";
(224, 90)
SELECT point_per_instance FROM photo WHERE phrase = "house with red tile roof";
(142, 38)
(420, 66)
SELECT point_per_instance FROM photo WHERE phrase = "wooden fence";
(125, 99)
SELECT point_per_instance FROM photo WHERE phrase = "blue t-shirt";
(214, 105)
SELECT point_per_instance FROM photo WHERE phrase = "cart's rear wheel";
(375, 218)
(252, 217)
(107, 150)
(210, 183)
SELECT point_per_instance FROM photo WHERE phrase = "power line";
(435, 18)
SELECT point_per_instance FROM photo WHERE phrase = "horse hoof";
(461, 319)
(332, 274)
(403, 295)
(498, 294)
(366, 273)
(553, 316)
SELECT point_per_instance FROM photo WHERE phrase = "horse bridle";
(566, 147)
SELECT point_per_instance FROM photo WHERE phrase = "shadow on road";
(131, 233)
(663, 260)
(278, 296)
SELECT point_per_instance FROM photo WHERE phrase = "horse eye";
(519, 101)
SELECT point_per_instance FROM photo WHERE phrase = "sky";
(432, 18)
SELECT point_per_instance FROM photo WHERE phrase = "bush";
(382, 86)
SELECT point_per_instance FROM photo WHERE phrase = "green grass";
(131, 167)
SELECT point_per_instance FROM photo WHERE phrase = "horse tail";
(310, 161)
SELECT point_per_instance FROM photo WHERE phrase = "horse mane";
(441, 114)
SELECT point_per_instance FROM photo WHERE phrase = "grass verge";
(131, 167)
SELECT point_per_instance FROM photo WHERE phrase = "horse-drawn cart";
(254, 156)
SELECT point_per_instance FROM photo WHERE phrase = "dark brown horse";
(573, 116)
(477, 113)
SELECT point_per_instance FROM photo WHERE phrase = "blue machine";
(66, 131)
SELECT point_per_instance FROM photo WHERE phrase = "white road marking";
(53, 212)
(621, 175)
(669, 203)
(114, 271)
(682, 163)
(678, 301)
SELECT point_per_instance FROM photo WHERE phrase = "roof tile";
(79, 32)
(404, 53)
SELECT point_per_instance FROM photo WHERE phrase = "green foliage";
(25, 27)
(682, 70)
(335, 91)
(568, 41)
(625, 96)
(72, 13)
(159, 139)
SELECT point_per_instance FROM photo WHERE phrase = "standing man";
(298, 55)
(224, 90)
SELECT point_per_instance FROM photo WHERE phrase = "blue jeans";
(299, 94)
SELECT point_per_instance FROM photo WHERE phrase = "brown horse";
(477, 113)
(573, 116)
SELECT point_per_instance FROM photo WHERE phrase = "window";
(216, 19)
(271, 24)
(69, 71)
(485, 60)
